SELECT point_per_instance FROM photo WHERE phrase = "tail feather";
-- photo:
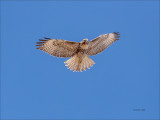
(79, 62)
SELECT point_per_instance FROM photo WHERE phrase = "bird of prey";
(78, 51)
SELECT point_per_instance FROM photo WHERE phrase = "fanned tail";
(79, 62)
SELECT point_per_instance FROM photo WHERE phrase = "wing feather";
(58, 47)
(100, 43)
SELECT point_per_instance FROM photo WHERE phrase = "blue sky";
(125, 77)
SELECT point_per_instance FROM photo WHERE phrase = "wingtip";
(42, 40)
(38, 48)
(47, 38)
(117, 33)
(39, 45)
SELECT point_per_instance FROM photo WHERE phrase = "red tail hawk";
(78, 51)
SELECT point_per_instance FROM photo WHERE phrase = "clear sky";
(124, 82)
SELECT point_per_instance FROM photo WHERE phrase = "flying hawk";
(78, 51)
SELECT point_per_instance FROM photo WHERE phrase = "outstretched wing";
(58, 47)
(100, 43)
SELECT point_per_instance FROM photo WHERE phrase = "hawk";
(78, 51)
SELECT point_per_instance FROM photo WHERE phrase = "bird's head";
(84, 40)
